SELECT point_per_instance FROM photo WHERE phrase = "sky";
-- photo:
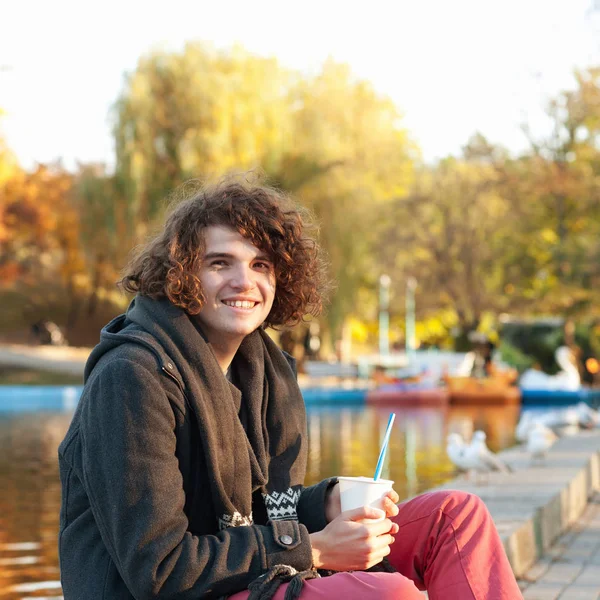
(452, 68)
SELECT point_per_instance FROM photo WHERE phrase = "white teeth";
(240, 303)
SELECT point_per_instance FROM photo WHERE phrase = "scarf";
(268, 452)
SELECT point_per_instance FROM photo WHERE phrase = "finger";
(394, 496)
(364, 512)
(391, 510)
(380, 527)
(395, 528)
(378, 555)
(384, 540)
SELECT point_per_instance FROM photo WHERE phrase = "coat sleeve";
(311, 506)
(131, 476)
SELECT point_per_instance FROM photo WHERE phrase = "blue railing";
(332, 395)
(35, 398)
(590, 396)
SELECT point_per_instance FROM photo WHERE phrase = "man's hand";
(390, 504)
(352, 542)
(333, 506)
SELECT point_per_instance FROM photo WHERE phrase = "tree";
(450, 233)
(195, 114)
(105, 234)
(562, 178)
(329, 139)
(40, 247)
(495, 233)
(9, 169)
(351, 156)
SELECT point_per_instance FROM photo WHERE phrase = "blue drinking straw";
(386, 439)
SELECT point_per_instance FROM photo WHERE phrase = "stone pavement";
(548, 516)
(571, 568)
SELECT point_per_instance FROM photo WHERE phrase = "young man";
(183, 468)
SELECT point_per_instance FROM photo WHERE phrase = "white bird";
(455, 449)
(567, 417)
(481, 459)
(540, 440)
(524, 426)
(589, 418)
(561, 421)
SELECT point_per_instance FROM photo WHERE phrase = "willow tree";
(350, 157)
(195, 114)
(106, 237)
(330, 139)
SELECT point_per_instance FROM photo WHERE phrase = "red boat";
(408, 395)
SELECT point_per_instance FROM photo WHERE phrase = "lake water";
(343, 441)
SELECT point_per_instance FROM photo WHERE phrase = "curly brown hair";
(167, 266)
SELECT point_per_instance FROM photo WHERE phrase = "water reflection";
(29, 504)
(342, 441)
(346, 441)
(498, 422)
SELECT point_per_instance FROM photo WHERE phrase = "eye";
(262, 265)
(218, 262)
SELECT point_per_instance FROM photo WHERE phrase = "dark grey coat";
(136, 518)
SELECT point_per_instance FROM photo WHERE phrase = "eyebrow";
(212, 255)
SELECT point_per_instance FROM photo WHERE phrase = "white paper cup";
(356, 492)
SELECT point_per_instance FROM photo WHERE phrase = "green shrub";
(512, 356)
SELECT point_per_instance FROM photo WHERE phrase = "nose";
(243, 278)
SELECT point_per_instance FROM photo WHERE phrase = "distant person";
(483, 356)
(488, 357)
(570, 340)
(182, 471)
(312, 341)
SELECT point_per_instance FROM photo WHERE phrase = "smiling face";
(238, 281)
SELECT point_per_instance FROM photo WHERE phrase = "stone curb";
(535, 504)
(60, 359)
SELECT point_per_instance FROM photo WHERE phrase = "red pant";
(447, 544)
